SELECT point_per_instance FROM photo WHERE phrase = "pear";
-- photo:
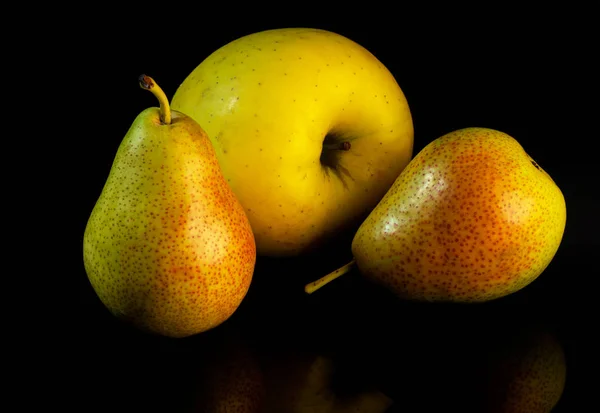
(472, 218)
(167, 246)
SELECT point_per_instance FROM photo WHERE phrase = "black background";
(525, 76)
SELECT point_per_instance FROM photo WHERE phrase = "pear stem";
(147, 83)
(315, 285)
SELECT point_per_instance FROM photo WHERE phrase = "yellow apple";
(310, 129)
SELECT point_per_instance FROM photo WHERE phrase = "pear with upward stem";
(168, 247)
(471, 218)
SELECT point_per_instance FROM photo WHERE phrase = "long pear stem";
(315, 285)
(147, 83)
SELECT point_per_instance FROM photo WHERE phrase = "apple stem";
(315, 285)
(340, 146)
(147, 83)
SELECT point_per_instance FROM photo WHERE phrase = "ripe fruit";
(168, 246)
(309, 127)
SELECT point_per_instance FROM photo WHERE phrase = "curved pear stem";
(147, 83)
(315, 285)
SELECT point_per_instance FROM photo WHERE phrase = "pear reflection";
(300, 381)
(527, 374)
(498, 357)
(230, 377)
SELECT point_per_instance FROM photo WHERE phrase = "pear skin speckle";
(471, 218)
(168, 247)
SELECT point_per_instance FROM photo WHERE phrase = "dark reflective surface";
(425, 357)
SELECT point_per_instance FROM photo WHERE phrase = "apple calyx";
(339, 146)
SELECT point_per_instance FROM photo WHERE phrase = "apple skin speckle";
(297, 92)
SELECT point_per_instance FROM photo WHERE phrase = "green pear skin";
(168, 247)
